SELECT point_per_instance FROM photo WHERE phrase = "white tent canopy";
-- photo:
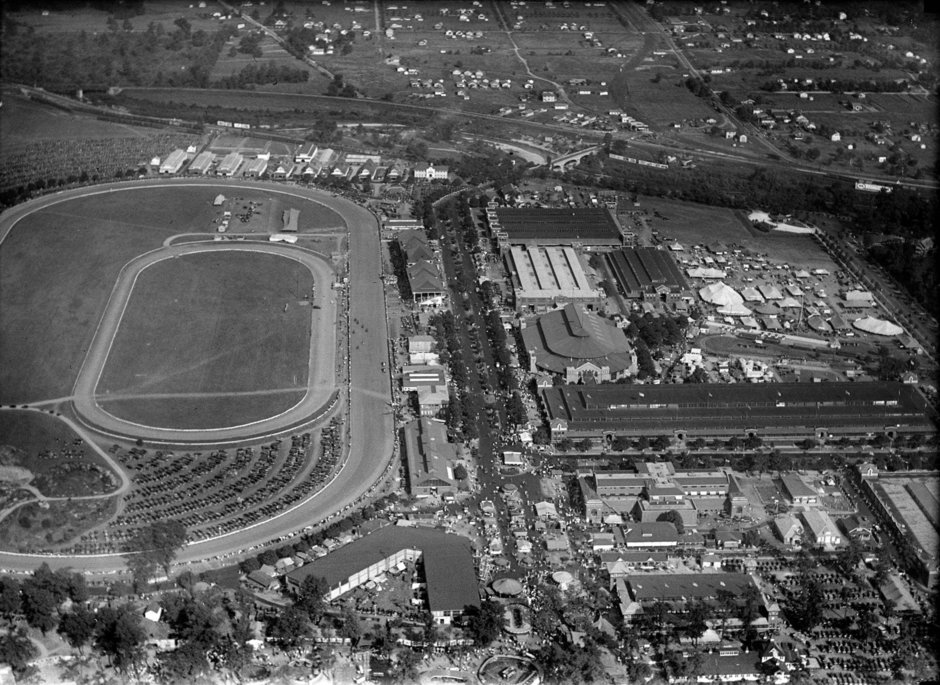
(734, 310)
(791, 302)
(870, 324)
(721, 294)
(706, 272)
(752, 294)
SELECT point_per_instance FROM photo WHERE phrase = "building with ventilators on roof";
(577, 344)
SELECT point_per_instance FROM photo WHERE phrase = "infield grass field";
(204, 325)
(210, 411)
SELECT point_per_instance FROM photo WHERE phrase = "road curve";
(321, 362)
(369, 419)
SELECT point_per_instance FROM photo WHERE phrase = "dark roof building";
(424, 276)
(429, 457)
(448, 566)
(555, 226)
(790, 410)
(647, 272)
(577, 343)
(686, 587)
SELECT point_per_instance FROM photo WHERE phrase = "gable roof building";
(429, 456)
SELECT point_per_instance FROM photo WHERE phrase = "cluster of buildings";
(654, 489)
(308, 163)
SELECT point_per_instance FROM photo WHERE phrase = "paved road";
(369, 421)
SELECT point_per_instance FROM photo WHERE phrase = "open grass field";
(211, 411)
(57, 268)
(692, 224)
(222, 322)
(26, 120)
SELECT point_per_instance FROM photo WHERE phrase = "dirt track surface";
(370, 423)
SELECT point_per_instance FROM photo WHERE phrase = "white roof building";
(174, 162)
(230, 164)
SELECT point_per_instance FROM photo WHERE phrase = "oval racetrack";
(369, 419)
(319, 392)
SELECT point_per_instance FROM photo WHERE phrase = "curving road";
(320, 377)
(369, 420)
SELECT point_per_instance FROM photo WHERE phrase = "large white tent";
(752, 294)
(870, 324)
(721, 294)
(769, 292)
(706, 272)
(734, 310)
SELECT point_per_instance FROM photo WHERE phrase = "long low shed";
(724, 410)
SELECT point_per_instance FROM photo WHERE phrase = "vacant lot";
(691, 223)
(213, 324)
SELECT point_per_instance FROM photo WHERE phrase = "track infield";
(201, 327)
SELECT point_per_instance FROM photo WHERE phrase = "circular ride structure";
(366, 391)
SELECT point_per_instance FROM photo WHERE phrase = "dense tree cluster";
(498, 168)
(118, 56)
(153, 548)
(340, 88)
(268, 72)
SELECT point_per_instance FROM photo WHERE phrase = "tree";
(39, 606)
(120, 636)
(621, 444)
(406, 668)
(17, 650)
(78, 627)
(695, 620)
(184, 664)
(584, 445)
(154, 547)
(310, 597)
(675, 518)
(484, 623)
(571, 664)
(290, 628)
(10, 600)
(805, 608)
(351, 628)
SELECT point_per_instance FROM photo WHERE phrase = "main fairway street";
(369, 421)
